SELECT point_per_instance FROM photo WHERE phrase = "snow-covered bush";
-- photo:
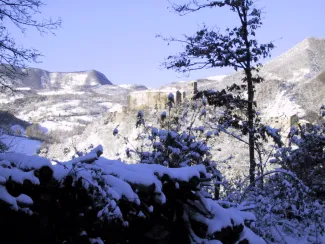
(35, 131)
(3, 147)
(287, 201)
(290, 205)
(91, 199)
(284, 208)
(305, 156)
(175, 142)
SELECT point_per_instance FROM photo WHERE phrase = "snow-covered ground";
(283, 106)
(23, 88)
(217, 77)
(60, 92)
(21, 144)
(58, 125)
(10, 99)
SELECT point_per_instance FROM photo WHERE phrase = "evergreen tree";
(237, 48)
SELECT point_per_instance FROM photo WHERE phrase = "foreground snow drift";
(93, 200)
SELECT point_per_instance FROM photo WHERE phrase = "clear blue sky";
(117, 38)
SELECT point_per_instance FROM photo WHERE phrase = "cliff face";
(153, 99)
(148, 99)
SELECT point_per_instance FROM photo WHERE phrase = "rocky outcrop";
(158, 99)
(149, 99)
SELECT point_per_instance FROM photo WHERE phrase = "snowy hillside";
(294, 81)
(277, 96)
(296, 78)
(293, 85)
(64, 100)
(62, 116)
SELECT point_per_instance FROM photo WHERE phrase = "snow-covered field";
(22, 145)
(217, 77)
(60, 92)
(58, 125)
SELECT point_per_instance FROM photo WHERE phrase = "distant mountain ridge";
(304, 61)
(42, 79)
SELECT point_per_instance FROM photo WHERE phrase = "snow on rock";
(24, 199)
(249, 235)
(282, 105)
(7, 198)
(24, 161)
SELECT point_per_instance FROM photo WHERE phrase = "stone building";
(157, 99)
(283, 122)
(194, 89)
(152, 99)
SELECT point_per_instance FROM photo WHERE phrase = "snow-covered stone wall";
(157, 99)
(151, 99)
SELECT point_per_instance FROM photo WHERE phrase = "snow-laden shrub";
(91, 199)
(287, 201)
(3, 147)
(286, 210)
(305, 156)
(35, 131)
(175, 141)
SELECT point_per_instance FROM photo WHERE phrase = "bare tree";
(21, 14)
(236, 48)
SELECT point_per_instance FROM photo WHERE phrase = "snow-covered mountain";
(294, 81)
(64, 100)
(42, 79)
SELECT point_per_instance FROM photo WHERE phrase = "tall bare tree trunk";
(251, 115)
(250, 88)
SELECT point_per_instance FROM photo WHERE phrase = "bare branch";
(13, 57)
